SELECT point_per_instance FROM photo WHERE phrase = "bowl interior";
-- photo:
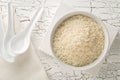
(106, 39)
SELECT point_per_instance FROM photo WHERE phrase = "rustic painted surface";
(107, 10)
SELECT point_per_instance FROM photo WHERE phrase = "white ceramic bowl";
(106, 40)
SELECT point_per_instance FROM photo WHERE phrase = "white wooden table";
(107, 10)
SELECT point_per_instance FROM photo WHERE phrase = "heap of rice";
(78, 40)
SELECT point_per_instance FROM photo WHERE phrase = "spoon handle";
(34, 20)
(36, 16)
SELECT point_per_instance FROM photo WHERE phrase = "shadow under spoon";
(8, 35)
(1, 35)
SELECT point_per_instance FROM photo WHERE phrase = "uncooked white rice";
(78, 40)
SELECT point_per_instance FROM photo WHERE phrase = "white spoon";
(8, 35)
(20, 42)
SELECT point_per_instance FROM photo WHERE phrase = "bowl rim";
(106, 39)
